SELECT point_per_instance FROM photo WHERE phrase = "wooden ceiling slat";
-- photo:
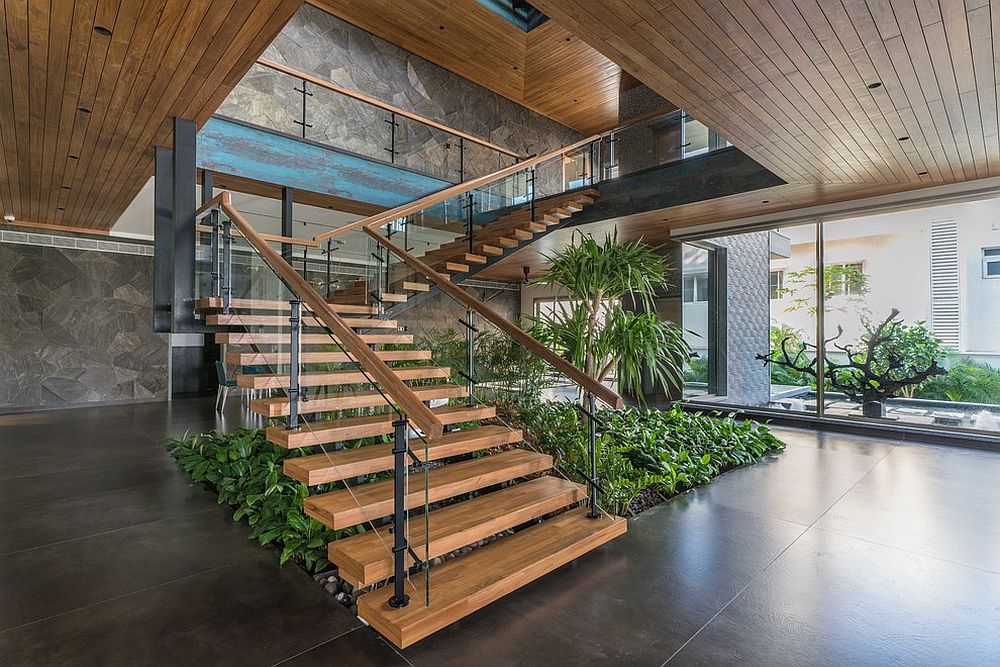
(54, 82)
(38, 63)
(10, 187)
(985, 88)
(17, 49)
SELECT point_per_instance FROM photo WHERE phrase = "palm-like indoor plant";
(593, 327)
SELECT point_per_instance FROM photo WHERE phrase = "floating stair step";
(368, 426)
(472, 581)
(278, 406)
(535, 226)
(349, 507)
(241, 338)
(472, 258)
(507, 242)
(452, 267)
(488, 249)
(362, 559)
(415, 287)
(234, 358)
(241, 319)
(563, 212)
(348, 463)
(523, 234)
(215, 303)
(573, 207)
(333, 378)
(552, 218)
(584, 200)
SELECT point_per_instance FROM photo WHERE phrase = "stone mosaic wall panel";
(76, 327)
(332, 49)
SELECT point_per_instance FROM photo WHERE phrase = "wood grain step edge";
(251, 320)
(490, 573)
(237, 358)
(349, 400)
(366, 426)
(333, 378)
(216, 303)
(354, 462)
(361, 560)
(278, 338)
(367, 502)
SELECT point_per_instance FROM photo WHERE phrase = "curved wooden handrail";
(418, 205)
(607, 395)
(361, 97)
(403, 395)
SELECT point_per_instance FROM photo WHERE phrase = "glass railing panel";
(306, 366)
(426, 149)
(346, 123)
(266, 98)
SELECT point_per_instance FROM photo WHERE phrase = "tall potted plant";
(592, 329)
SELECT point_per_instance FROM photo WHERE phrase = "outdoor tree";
(890, 357)
(593, 331)
(838, 279)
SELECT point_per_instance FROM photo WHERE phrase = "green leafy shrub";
(246, 471)
(667, 451)
(966, 380)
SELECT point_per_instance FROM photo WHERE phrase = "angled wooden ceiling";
(88, 87)
(822, 91)
(547, 69)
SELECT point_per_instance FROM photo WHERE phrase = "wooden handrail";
(607, 395)
(418, 205)
(361, 97)
(403, 395)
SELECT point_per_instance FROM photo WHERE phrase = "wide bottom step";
(470, 582)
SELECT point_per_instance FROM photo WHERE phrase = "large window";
(910, 313)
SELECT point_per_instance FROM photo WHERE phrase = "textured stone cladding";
(748, 317)
(76, 327)
(334, 50)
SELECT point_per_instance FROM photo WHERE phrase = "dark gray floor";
(839, 551)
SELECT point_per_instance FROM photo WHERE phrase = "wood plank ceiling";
(89, 87)
(822, 91)
(547, 69)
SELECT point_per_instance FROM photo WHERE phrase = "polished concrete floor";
(841, 550)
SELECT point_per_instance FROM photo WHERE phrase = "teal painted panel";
(231, 147)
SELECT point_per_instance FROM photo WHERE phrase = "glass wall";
(908, 304)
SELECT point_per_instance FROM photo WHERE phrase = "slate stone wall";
(76, 327)
(334, 50)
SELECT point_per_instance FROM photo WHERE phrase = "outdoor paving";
(840, 550)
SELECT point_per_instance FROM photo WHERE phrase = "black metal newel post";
(592, 442)
(399, 598)
(227, 265)
(392, 137)
(329, 262)
(468, 221)
(305, 94)
(216, 268)
(461, 159)
(470, 343)
(295, 320)
(531, 179)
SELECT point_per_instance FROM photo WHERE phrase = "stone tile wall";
(332, 49)
(76, 327)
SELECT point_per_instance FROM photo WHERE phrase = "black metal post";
(329, 264)
(399, 598)
(295, 320)
(461, 159)
(216, 268)
(531, 179)
(470, 343)
(468, 220)
(592, 435)
(392, 137)
(305, 94)
(227, 265)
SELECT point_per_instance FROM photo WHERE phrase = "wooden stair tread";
(367, 426)
(354, 462)
(330, 378)
(488, 249)
(523, 234)
(363, 560)
(242, 319)
(349, 507)
(453, 267)
(415, 286)
(273, 338)
(216, 303)
(236, 358)
(278, 406)
(472, 581)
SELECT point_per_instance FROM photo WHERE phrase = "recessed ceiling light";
(8, 218)
(515, 66)
(74, 157)
(567, 39)
(874, 84)
(65, 187)
(101, 30)
(904, 138)
(923, 173)
(440, 27)
(60, 208)
(765, 201)
(83, 109)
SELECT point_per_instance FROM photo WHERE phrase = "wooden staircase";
(481, 482)
(489, 243)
